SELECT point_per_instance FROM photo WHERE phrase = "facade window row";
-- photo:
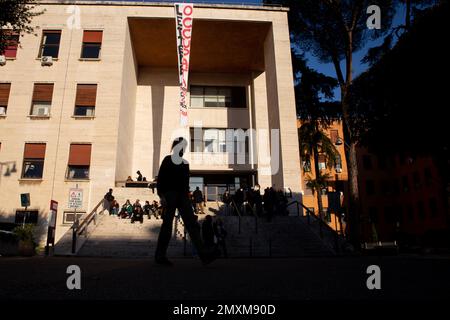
(41, 102)
(78, 165)
(51, 41)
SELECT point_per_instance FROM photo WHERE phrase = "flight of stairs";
(287, 236)
(116, 237)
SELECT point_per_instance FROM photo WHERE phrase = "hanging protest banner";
(184, 18)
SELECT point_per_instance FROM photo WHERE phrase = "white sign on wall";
(75, 198)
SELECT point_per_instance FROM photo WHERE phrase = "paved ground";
(402, 278)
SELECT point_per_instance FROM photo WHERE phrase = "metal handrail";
(78, 228)
(87, 221)
(320, 221)
(239, 214)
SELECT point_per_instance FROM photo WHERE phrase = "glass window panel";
(50, 51)
(52, 38)
(32, 169)
(78, 172)
(211, 97)
(91, 51)
(196, 101)
(40, 109)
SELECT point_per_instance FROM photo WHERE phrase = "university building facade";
(94, 97)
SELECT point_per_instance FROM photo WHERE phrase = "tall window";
(322, 162)
(334, 136)
(50, 43)
(219, 140)
(42, 99)
(218, 97)
(85, 100)
(33, 160)
(79, 161)
(338, 163)
(92, 43)
(4, 97)
(12, 42)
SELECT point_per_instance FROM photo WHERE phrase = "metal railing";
(322, 224)
(239, 214)
(79, 227)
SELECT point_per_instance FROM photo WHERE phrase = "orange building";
(402, 198)
(338, 173)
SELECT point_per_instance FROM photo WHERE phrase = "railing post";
(74, 235)
(185, 244)
(239, 224)
(270, 247)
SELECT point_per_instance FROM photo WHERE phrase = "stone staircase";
(283, 237)
(287, 236)
(116, 237)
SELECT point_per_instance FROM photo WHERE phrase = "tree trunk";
(354, 202)
(352, 163)
(319, 191)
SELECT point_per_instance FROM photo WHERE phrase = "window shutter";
(43, 92)
(93, 36)
(80, 155)
(4, 93)
(34, 151)
(86, 95)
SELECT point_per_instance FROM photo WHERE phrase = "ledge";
(31, 180)
(77, 180)
(2, 116)
(34, 117)
(54, 59)
(83, 117)
(89, 59)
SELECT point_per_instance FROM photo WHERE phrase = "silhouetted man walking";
(173, 189)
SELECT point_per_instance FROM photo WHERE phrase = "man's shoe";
(164, 262)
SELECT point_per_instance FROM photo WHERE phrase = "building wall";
(394, 208)
(132, 104)
(309, 199)
(61, 128)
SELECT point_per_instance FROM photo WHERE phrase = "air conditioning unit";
(338, 170)
(2, 60)
(42, 111)
(47, 60)
(2, 111)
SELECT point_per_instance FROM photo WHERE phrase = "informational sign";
(75, 198)
(25, 199)
(184, 18)
(51, 226)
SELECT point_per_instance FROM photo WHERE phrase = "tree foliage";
(16, 15)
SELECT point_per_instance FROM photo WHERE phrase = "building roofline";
(163, 4)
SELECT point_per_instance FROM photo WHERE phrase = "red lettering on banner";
(185, 23)
(186, 34)
(188, 10)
